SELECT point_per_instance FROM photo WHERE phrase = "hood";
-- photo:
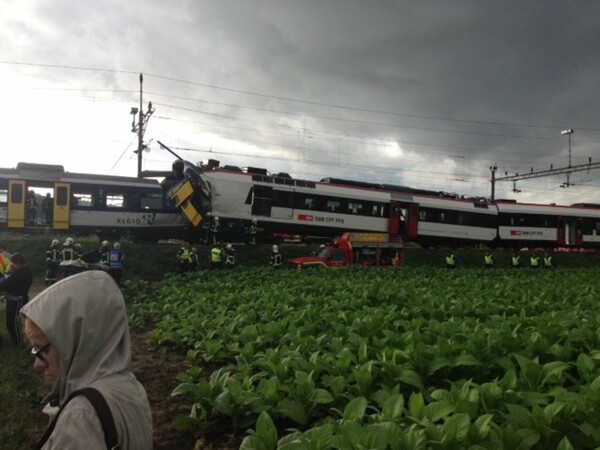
(84, 318)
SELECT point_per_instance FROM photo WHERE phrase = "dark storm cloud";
(456, 86)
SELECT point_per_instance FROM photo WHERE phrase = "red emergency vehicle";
(361, 249)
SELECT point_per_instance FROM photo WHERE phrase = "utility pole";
(545, 173)
(493, 180)
(568, 132)
(140, 126)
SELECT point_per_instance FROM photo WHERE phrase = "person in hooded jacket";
(80, 335)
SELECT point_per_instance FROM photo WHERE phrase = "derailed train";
(180, 206)
(285, 205)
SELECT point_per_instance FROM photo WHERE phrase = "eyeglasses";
(40, 353)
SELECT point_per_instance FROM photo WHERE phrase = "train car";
(41, 197)
(522, 224)
(284, 205)
(323, 209)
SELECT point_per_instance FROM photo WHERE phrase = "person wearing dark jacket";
(15, 288)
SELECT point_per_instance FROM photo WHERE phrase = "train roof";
(48, 173)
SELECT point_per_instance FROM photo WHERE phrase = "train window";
(333, 205)
(151, 201)
(3, 196)
(116, 201)
(283, 199)
(379, 210)
(62, 197)
(309, 203)
(83, 199)
(16, 194)
(354, 207)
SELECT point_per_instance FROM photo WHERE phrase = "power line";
(295, 100)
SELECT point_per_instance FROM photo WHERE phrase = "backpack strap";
(102, 410)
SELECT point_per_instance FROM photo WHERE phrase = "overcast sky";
(427, 94)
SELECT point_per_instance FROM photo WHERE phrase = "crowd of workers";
(220, 256)
(489, 261)
(68, 258)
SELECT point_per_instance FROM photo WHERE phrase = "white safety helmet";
(229, 247)
(69, 241)
(117, 246)
(275, 248)
(54, 241)
(254, 221)
(105, 243)
(216, 218)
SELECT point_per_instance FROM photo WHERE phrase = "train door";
(412, 225)
(577, 232)
(561, 232)
(62, 206)
(17, 194)
(398, 219)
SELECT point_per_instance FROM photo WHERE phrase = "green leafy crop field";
(409, 358)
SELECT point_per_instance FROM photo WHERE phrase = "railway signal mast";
(140, 126)
(544, 173)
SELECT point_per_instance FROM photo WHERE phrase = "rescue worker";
(31, 207)
(215, 231)
(53, 258)
(548, 261)
(276, 258)
(216, 257)
(68, 251)
(193, 263)
(48, 208)
(183, 256)
(534, 261)
(69, 258)
(104, 252)
(515, 261)
(115, 263)
(229, 257)
(451, 260)
(488, 260)
(252, 232)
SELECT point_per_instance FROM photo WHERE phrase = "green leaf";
(564, 444)
(355, 409)
(595, 385)
(320, 437)
(438, 410)
(252, 443)
(527, 438)
(265, 429)
(456, 428)
(466, 360)
(293, 410)
(553, 369)
(321, 396)
(393, 407)
(483, 425)
(416, 406)
(223, 404)
(411, 377)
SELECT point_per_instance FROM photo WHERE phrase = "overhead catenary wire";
(347, 150)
